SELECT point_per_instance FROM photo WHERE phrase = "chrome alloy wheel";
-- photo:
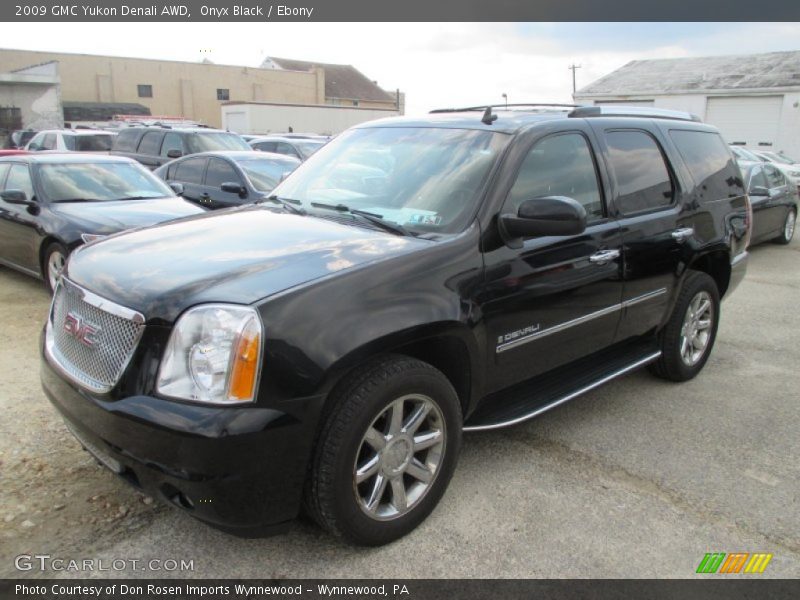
(55, 263)
(788, 227)
(399, 457)
(696, 329)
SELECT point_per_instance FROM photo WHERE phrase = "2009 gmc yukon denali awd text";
(416, 278)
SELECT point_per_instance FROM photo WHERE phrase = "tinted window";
(49, 142)
(219, 172)
(560, 165)
(151, 143)
(774, 177)
(205, 142)
(266, 174)
(94, 143)
(19, 178)
(642, 177)
(708, 160)
(126, 140)
(172, 141)
(758, 179)
(191, 170)
(265, 146)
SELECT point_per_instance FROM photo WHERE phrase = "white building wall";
(254, 117)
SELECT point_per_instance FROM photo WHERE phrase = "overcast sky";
(435, 64)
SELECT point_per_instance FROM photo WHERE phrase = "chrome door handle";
(682, 234)
(604, 256)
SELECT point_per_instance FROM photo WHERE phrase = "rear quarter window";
(127, 140)
(710, 162)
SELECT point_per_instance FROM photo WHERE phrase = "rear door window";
(126, 140)
(191, 171)
(642, 176)
(151, 143)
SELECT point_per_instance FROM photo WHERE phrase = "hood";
(118, 215)
(240, 255)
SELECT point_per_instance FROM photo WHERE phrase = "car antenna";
(488, 117)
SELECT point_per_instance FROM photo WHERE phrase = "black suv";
(157, 145)
(327, 347)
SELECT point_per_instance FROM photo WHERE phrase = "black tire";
(332, 496)
(671, 365)
(52, 249)
(788, 231)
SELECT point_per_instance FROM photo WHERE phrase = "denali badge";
(77, 327)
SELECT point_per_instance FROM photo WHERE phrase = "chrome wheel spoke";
(703, 324)
(702, 308)
(419, 471)
(368, 469)
(399, 498)
(376, 493)
(375, 439)
(427, 440)
(417, 418)
(396, 417)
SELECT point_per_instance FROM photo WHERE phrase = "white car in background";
(72, 140)
(789, 167)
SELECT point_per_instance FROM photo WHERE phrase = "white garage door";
(625, 102)
(749, 120)
(236, 122)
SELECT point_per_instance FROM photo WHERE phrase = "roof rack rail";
(620, 110)
(483, 107)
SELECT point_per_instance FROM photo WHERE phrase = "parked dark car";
(18, 138)
(774, 200)
(52, 203)
(300, 148)
(329, 346)
(225, 179)
(155, 146)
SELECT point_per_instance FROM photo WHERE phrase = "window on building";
(223, 94)
(643, 181)
(355, 102)
(559, 165)
(145, 91)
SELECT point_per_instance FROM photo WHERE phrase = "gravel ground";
(637, 479)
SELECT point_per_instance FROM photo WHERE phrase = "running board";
(540, 394)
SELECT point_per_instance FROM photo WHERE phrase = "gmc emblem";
(77, 327)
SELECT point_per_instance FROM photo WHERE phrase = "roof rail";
(483, 107)
(619, 110)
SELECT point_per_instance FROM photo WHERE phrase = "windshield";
(89, 143)
(426, 179)
(99, 182)
(745, 154)
(265, 174)
(212, 141)
(307, 148)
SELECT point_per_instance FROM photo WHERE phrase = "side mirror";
(17, 197)
(177, 187)
(234, 188)
(549, 215)
(759, 191)
(174, 153)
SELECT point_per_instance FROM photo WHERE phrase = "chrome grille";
(95, 360)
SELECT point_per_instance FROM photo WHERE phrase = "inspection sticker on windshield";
(428, 219)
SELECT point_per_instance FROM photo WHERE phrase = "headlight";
(213, 355)
(91, 237)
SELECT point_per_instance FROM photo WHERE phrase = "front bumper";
(237, 469)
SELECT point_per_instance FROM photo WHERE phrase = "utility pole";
(573, 67)
(505, 97)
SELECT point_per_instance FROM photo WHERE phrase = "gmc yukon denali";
(324, 349)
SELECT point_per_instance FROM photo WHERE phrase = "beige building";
(193, 91)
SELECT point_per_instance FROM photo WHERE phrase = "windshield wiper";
(141, 197)
(285, 203)
(374, 218)
(76, 200)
